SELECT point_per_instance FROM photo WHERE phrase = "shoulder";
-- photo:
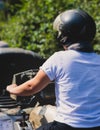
(60, 53)
(61, 56)
(67, 53)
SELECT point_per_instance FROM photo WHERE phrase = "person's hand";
(9, 88)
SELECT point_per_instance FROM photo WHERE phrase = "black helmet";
(74, 26)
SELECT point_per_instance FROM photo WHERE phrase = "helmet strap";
(64, 40)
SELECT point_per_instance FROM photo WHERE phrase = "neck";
(83, 47)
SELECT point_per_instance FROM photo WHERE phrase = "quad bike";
(23, 113)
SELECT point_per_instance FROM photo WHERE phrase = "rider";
(75, 71)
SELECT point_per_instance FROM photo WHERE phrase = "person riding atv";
(75, 72)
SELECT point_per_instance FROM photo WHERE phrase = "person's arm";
(30, 87)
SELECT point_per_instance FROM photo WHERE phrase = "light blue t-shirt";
(77, 86)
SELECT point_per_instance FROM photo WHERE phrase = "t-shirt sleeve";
(49, 67)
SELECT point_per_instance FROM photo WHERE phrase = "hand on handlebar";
(9, 88)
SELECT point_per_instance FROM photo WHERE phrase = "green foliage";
(31, 25)
(97, 39)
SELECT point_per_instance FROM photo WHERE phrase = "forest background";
(28, 24)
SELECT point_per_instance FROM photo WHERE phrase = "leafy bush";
(31, 26)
